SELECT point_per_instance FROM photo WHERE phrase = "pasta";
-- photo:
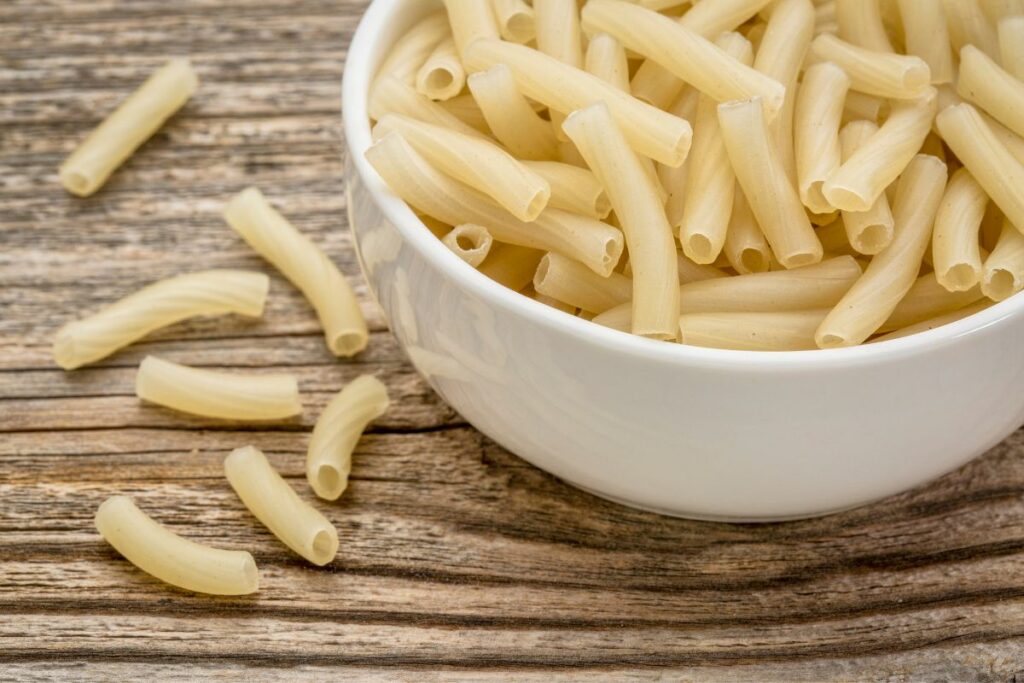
(337, 430)
(573, 188)
(441, 77)
(558, 35)
(858, 183)
(641, 214)
(305, 265)
(510, 116)
(819, 110)
(469, 242)
(413, 48)
(760, 174)
(684, 52)
(511, 266)
(167, 556)
(884, 74)
(997, 10)
(782, 331)
(745, 246)
(595, 244)
(673, 179)
(391, 96)
(924, 22)
(163, 303)
(956, 256)
(516, 21)
(860, 23)
(275, 504)
(935, 322)
(861, 106)
(1011, 45)
(968, 25)
(130, 125)
(606, 59)
(470, 20)
(481, 165)
(871, 231)
(210, 393)
(465, 109)
(1003, 275)
(650, 131)
(688, 270)
(986, 84)
(569, 282)
(890, 275)
(928, 299)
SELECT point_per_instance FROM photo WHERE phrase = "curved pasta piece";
(573, 189)
(163, 303)
(441, 77)
(305, 265)
(927, 36)
(167, 556)
(884, 74)
(224, 395)
(572, 283)
(956, 254)
(329, 458)
(275, 504)
(469, 242)
(871, 231)
(1003, 275)
(516, 21)
(817, 116)
(510, 116)
(408, 54)
(776, 331)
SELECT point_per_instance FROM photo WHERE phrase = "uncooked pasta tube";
(641, 214)
(510, 116)
(772, 197)
(510, 265)
(782, 331)
(595, 244)
(573, 188)
(871, 231)
(1003, 275)
(516, 20)
(465, 109)
(650, 131)
(1011, 45)
(745, 245)
(337, 431)
(684, 52)
(470, 20)
(606, 59)
(469, 242)
(867, 107)
(986, 84)
(391, 96)
(167, 556)
(935, 322)
(163, 303)
(988, 160)
(928, 299)
(688, 270)
(956, 256)
(673, 179)
(969, 25)
(305, 265)
(558, 35)
(572, 283)
(225, 395)
(860, 23)
(857, 184)
(819, 110)
(924, 22)
(479, 164)
(890, 275)
(408, 54)
(275, 504)
(710, 181)
(131, 124)
(441, 77)
(885, 74)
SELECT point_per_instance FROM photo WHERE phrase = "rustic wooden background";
(458, 561)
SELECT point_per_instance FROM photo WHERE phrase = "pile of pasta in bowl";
(762, 175)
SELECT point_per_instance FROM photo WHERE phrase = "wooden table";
(458, 561)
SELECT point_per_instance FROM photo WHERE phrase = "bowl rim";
(355, 121)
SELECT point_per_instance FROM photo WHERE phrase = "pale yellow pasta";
(479, 164)
(391, 96)
(575, 284)
(465, 109)
(573, 188)
(927, 36)
(867, 107)
(745, 246)
(772, 197)
(819, 110)
(163, 554)
(656, 85)
(225, 395)
(857, 184)
(956, 255)
(871, 231)
(928, 299)
(275, 504)
(305, 265)
(860, 23)
(606, 59)
(337, 431)
(408, 54)
(935, 322)
(684, 52)
(673, 178)
(641, 214)
(688, 270)
(510, 117)
(595, 244)
(885, 74)
(441, 77)
(131, 124)
(988, 160)
(163, 303)
(650, 131)
(469, 242)
(890, 274)
(827, 13)
(997, 10)
(619, 318)
(986, 84)
(470, 20)
(968, 25)
(710, 181)
(510, 265)
(558, 35)
(661, 5)
(516, 21)
(780, 331)
(556, 304)
(1003, 274)
(1011, 45)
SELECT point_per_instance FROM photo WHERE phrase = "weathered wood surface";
(458, 561)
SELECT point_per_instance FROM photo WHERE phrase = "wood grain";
(459, 561)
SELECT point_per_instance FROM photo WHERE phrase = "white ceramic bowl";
(685, 431)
